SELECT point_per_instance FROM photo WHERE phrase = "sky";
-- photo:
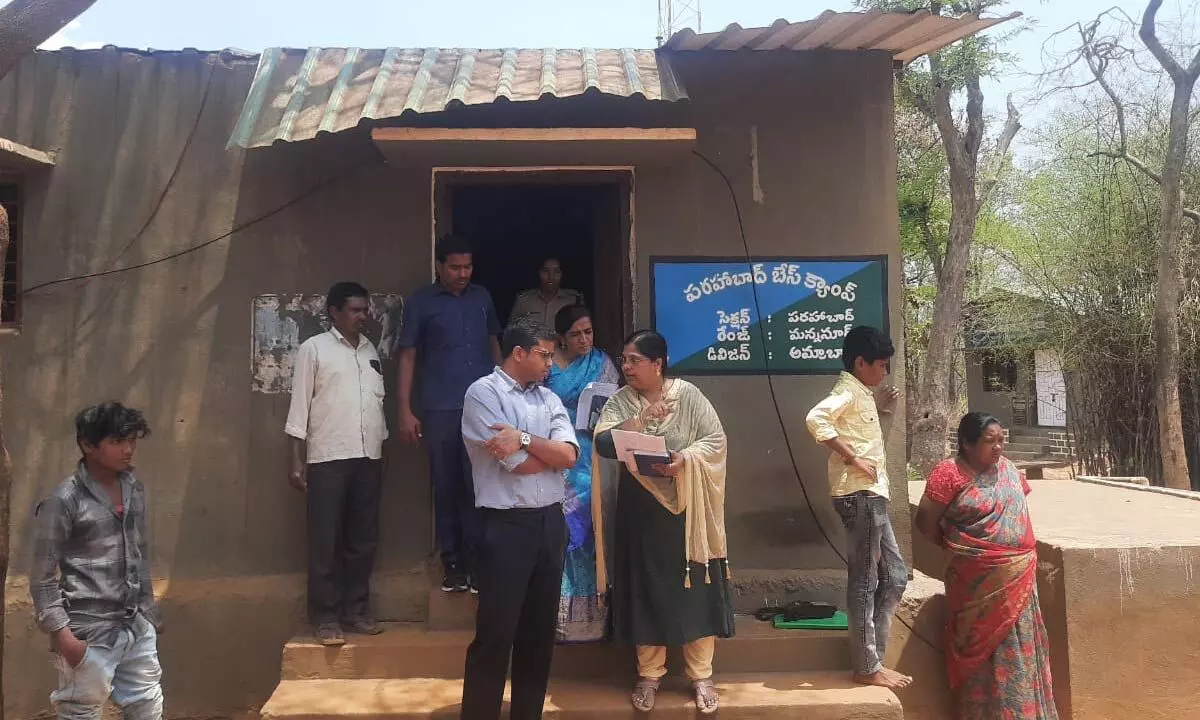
(257, 24)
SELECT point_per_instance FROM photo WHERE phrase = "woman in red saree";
(997, 651)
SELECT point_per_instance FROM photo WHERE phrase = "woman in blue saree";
(582, 612)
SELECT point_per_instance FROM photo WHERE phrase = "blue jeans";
(124, 667)
(876, 579)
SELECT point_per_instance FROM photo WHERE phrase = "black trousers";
(520, 578)
(343, 531)
(455, 517)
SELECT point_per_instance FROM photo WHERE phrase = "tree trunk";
(5, 476)
(931, 426)
(930, 430)
(1166, 306)
(1171, 443)
(25, 24)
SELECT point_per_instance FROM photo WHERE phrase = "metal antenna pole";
(675, 15)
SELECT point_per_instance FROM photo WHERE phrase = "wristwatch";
(526, 440)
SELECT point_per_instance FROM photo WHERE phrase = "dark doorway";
(514, 223)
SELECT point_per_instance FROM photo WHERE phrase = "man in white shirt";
(337, 412)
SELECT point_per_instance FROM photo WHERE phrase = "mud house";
(1015, 371)
(179, 214)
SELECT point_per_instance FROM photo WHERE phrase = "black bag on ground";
(797, 610)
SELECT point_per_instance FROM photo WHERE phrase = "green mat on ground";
(839, 621)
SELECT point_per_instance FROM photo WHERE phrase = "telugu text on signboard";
(778, 315)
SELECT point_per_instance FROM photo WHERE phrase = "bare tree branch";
(25, 24)
(943, 115)
(1011, 126)
(913, 98)
(975, 125)
(1134, 161)
(1098, 54)
(1150, 37)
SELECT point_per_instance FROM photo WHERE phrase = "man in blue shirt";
(521, 440)
(450, 329)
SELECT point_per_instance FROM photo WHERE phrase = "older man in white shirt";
(337, 416)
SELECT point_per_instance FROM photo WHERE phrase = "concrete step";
(1038, 434)
(1018, 456)
(413, 651)
(779, 696)
(1027, 446)
(451, 611)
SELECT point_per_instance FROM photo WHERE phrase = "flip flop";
(644, 694)
(707, 698)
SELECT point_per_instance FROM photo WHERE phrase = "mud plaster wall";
(1137, 605)
(827, 171)
(283, 322)
(1121, 621)
(176, 338)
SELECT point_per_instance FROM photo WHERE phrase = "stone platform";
(1117, 569)
(415, 671)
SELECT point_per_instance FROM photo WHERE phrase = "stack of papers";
(591, 404)
(629, 445)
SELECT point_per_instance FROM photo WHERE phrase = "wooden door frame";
(618, 173)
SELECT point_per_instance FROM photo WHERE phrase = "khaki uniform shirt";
(531, 304)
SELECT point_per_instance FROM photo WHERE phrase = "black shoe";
(472, 586)
(362, 626)
(329, 634)
(455, 581)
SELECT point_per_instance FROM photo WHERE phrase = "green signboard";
(777, 315)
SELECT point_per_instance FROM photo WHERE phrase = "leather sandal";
(645, 692)
(707, 698)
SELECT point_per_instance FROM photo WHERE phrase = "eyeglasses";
(631, 360)
(545, 355)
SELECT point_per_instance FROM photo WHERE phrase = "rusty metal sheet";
(297, 94)
(283, 322)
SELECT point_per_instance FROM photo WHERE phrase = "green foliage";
(1084, 248)
(968, 60)
(1065, 252)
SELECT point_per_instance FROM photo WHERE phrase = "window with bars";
(999, 374)
(10, 305)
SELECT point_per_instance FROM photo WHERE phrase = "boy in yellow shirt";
(847, 422)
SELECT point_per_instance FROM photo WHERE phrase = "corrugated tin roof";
(907, 36)
(297, 94)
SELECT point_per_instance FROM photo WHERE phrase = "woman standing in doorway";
(582, 614)
(997, 651)
(670, 572)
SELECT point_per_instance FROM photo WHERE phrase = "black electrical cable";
(236, 229)
(187, 144)
(774, 398)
